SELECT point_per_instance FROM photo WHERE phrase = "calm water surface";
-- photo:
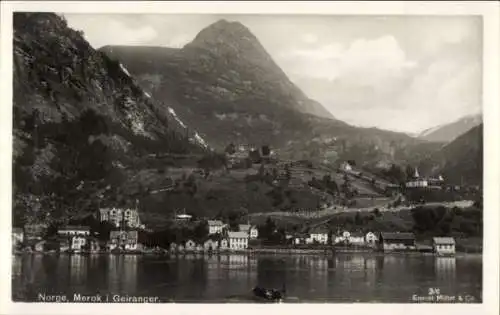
(229, 278)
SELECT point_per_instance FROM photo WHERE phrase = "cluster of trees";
(271, 234)
(325, 184)
(440, 220)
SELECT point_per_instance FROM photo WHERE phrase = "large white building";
(121, 217)
(238, 240)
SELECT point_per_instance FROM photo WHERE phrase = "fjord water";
(357, 277)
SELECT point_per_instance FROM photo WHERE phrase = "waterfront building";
(443, 245)
(371, 238)
(238, 240)
(121, 217)
(210, 245)
(356, 238)
(173, 248)
(224, 244)
(190, 245)
(215, 226)
(17, 237)
(125, 240)
(396, 241)
(318, 235)
(78, 243)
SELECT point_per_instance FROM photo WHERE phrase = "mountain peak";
(225, 33)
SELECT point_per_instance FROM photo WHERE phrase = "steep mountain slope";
(80, 121)
(449, 132)
(460, 161)
(227, 86)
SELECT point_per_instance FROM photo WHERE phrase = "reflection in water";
(78, 269)
(445, 267)
(338, 278)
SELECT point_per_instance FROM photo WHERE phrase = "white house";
(215, 226)
(346, 166)
(238, 240)
(190, 245)
(318, 236)
(443, 245)
(357, 238)
(78, 242)
(371, 238)
(224, 244)
(173, 247)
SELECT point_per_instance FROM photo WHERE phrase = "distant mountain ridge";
(449, 132)
(460, 161)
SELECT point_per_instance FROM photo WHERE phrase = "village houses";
(443, 245)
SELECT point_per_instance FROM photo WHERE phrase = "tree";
(230, 149)
(266, 150)
(410, 171)
(201, 231)
(357, 219)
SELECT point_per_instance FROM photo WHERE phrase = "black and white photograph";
(195, 158)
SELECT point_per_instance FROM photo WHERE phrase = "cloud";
(116, 31)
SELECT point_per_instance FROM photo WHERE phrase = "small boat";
(269, 294)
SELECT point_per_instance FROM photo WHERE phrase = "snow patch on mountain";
(125, 70)
(172, 112)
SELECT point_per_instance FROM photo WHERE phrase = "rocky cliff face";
(79, 119)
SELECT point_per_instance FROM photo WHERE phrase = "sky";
(401, 73)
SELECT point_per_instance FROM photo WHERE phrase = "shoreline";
(259, 251)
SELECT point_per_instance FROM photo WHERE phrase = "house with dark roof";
(396, 241)
(443, 245)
